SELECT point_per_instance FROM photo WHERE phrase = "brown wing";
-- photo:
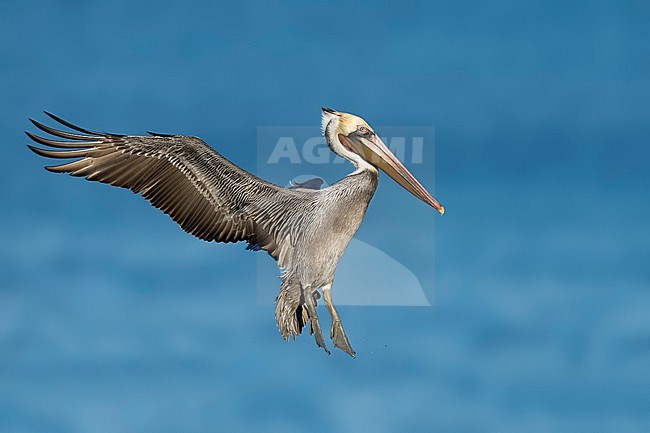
(207, 195)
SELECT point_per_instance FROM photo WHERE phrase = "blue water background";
(114, 320)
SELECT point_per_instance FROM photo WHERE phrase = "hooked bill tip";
(441, 210)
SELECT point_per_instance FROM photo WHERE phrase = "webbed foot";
(337, 334)
(314, 325)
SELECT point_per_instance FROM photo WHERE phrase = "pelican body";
(305, 230)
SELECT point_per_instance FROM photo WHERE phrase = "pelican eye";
(363, 130)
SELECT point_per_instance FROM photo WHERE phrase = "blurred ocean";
(114, 320)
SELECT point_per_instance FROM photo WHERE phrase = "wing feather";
(203, 192)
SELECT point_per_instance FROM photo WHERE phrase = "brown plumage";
(305, 230)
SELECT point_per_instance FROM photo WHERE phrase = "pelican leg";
(337, 334)
(310, 304)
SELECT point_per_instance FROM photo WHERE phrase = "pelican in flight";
(305, 230)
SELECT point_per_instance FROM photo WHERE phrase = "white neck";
(330, 126)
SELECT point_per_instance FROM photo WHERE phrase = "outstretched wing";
(207, 195)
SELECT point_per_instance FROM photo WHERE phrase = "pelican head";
(352, 138)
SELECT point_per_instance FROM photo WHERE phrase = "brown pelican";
(305, 230)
